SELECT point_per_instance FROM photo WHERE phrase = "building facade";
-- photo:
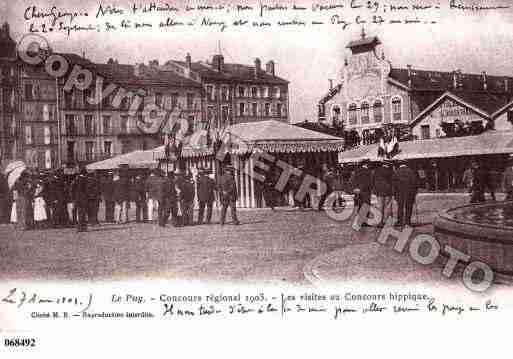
(9, 96)
(237, 93)
(372, 96)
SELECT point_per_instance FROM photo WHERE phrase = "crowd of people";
(56, 199)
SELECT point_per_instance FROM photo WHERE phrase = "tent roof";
(491, 142)
(135, 159)
(268, 136)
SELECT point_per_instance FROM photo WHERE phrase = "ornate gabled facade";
(372, 95)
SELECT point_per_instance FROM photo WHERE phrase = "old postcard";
(256, 178)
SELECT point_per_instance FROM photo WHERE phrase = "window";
(267, 109)
(266, 91)
(107, 148)
(47, 135)
(70, 125)
(69, 99)
(277, 92)
(190, 101)
(365, 112)
(254, 92)
(278, 110)
(396, 109)
(254, 106)
(241, 91)
(87, 96)
(174, 100)
(106, 125)
(224, 115)
(28, 92)
(28, 135)
(335, 114)
(88, 125)
(89, 149)
(71, 150)
(48, 159)
(158, 99)
(224, 93)
(210, 92)
(242, 108)
(351, 114)
(377, 110)
(424, 132)
(46, 113)
(210, 113)
(125, 125)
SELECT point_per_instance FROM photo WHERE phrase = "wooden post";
(252, 181)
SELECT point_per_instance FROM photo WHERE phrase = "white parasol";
(14, 175)
(13, 165)
(13, 171)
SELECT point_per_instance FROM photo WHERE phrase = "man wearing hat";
(107, 188)
(382, 188)
(205, 188)
(228, 195)
(362, 188)
(405, 185)
(80, 197)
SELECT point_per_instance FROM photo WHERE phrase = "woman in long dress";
(40, 215)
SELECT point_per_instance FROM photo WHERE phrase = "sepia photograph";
(216, 166)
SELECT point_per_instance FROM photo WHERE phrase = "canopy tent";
(269, 136)
(293, 144)
(487, 143)
(135, 159)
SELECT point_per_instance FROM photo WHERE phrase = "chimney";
(5, 33)
(269, 67)
(331, 84)
(485, 85)
(258, 67)
(218, 62)
(154, 63)
(409, 75)
(455, 79)
(188, 61)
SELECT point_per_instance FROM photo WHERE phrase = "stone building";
(373, 95)
(9, 95)
(237, 93)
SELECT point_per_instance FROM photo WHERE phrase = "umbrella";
(14, 175)
(13, 165)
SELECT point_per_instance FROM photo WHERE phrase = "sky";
(307, 56)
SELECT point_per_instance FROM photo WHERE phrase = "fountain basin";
(483, 231)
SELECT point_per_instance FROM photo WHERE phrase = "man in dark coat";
(228, 195)
(171, 200)
(205, 190)
(185, 194)
(121, 186)
(139, 197)
(478, 183)
(24, 194)
(107, 188)
(383, 189)
(94, 195)
(405, 185)
(80, 198)
(154, 188)
(362, 189)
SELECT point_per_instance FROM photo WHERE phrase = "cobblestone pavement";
(269, 247)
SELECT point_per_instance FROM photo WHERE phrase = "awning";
(264, 136)
(135, 159)
(488, 143)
